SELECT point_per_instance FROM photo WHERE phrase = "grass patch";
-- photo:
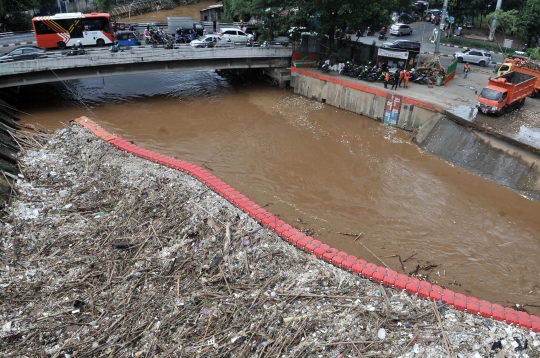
(491, 46)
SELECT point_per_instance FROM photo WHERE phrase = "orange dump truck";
(506, 92)
(523, 66)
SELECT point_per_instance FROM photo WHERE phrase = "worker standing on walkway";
(396, 80)
(406, 76)
(401, 75)
(466, 70)
(386, 79)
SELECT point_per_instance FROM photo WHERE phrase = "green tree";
(15, 15)
(529, 18)
(104, 5)
(326, 17)
(331, 17)
(507, 21)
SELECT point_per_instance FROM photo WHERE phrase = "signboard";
(508, 43)
(394, 54)
(452, 19)
(392, 108)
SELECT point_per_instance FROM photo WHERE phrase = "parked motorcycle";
(323, 66)
(346, 68)
(421, 79)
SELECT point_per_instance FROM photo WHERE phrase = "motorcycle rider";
(78, 45)
(382, 33)
(147, 35)
(161, 32)
(115, 47)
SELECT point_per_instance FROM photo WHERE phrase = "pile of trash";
(103, 253)
(432, 69)
(529, 64)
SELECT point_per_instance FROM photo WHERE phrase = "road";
(421, 32)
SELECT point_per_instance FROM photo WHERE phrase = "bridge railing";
(103, 57)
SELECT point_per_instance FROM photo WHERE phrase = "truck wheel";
(100, 42)
(521, 103)
(460, 59)
(61, 45)
(501, 112)
(482, 63)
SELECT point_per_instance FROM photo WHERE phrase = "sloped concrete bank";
(485, 155)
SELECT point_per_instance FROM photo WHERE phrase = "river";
(323, 169)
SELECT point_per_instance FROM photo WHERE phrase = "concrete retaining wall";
(360, 99)
(484, 155)
(489, 157)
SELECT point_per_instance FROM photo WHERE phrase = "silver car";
(24, 53)
(480, 57)
(236, 35)
(211, 41)
(400, 29)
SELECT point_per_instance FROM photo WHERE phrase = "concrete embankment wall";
(477, 152)
(358, 98)
(484, 155)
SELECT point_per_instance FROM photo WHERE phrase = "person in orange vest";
(401, 75)
(406, 76)
(386, 79)
(466, 70)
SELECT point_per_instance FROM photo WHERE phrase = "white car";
(400, 29)
(210, 41)
(235, 35)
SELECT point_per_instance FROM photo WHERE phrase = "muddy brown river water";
(323, 169)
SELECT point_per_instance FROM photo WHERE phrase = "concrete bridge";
(102, 63)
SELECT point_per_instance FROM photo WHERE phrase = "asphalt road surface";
(421, 32)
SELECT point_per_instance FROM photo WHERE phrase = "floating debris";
(172, 269)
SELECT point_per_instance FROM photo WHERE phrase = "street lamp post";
(441, 27)
(494, 23)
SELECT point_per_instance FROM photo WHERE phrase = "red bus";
(61, 30)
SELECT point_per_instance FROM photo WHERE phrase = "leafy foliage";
(534, 54)
(530, 18)
(508, 21)
(325, 17)
(104, 5)
(13, 13)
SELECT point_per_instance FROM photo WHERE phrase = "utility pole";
(527, 38)
(494, 23)
(441, 27)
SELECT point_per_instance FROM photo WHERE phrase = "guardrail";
(5, 34)
(103, 56)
